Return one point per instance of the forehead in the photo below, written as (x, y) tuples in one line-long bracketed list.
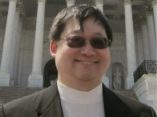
[(90, 26)]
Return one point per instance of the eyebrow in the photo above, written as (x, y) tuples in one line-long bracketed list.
[(99, 34)]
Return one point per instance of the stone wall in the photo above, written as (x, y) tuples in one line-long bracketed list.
[(146, 89)]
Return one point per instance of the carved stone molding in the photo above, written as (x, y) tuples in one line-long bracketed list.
[(127, 1), (148, 66)]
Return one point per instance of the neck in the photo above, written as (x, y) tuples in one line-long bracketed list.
[(73, 95), (82, 85)]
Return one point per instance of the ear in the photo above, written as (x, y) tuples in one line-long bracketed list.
[(53, 48)]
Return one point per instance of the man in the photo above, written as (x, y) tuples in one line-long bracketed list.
[(80, 40)]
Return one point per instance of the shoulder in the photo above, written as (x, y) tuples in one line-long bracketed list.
[(137, 107), (29, 105), (129, 105)]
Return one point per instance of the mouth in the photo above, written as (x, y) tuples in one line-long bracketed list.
[(88, 62)]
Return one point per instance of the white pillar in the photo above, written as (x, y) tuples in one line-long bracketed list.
[(70, 2), (151, 34), (36, 78), (5, 62), (130, 44), (155, 21), (99, 4), (145, 41), (16, 47)]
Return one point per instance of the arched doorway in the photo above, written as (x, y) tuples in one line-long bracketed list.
[(50, 73)]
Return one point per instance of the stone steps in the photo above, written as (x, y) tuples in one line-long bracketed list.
[(10, 93)]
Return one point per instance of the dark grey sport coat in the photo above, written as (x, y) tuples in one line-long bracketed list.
[(46, 103)]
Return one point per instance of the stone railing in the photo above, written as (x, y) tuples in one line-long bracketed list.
[(147, 66)]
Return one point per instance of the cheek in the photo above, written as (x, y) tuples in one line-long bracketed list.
[(106, 57), (65, 54)]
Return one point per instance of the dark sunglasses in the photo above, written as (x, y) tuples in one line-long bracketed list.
[(96, 42)]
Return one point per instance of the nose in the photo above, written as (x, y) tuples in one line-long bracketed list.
[(88, 50)]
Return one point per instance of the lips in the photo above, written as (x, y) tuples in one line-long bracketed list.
[(88, 62)]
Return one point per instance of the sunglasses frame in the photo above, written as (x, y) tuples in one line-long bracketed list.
[(79, 42)]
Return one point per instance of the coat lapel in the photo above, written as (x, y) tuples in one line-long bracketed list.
[(54, 109), (50, 105), (113, 106)]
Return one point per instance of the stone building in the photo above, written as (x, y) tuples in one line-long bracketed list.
[(24, 44)]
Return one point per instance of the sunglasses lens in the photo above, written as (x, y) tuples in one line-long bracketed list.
[(78, 42), (75, 42), (99, 43)]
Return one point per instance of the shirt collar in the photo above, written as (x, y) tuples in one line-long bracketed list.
[(76, 96)]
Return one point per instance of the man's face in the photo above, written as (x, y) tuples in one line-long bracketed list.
[(84, 64)]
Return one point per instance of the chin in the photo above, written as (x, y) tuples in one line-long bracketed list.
[(86, 77)]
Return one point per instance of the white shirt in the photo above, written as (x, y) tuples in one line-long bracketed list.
[(77, 103)]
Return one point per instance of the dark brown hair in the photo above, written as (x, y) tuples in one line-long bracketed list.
[(81, 13)]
